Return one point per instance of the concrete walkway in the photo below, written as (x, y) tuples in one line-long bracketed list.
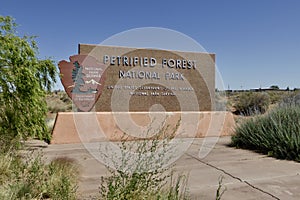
[(247, 175)]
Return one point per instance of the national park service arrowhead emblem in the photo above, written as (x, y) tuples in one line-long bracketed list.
[(83, 80)]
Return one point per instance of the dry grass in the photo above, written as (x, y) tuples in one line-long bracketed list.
[(28, 177)]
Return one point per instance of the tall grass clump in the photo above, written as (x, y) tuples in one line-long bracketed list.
[(29, 178), (276, 133)]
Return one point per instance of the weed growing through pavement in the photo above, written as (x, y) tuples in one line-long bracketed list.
[(139, 172), (221, 189)]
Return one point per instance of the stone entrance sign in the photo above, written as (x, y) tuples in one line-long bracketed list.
[(129, 90), (130, 79)]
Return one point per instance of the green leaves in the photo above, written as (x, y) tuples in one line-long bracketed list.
[(7, 25), (23, 81)]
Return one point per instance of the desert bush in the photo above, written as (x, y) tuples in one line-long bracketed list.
[(250, 103), (56, 108), (292, 99), (276, 96), (146, 185), (276, 133), (144, 177), (58, 102), (65, 98), (29, 178)]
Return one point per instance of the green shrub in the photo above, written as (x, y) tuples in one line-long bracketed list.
[(276, 134), (250, 103)]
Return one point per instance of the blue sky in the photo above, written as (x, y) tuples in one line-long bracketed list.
[(257, 42)]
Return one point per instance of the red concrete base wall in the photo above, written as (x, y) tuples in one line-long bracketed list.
[(73, 127)]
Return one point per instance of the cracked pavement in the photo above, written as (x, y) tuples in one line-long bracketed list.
[(246, 174)]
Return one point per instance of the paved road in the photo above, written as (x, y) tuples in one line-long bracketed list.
[(247, 175)]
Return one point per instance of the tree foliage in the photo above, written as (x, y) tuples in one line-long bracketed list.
[(274, 87), (24, 79)]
